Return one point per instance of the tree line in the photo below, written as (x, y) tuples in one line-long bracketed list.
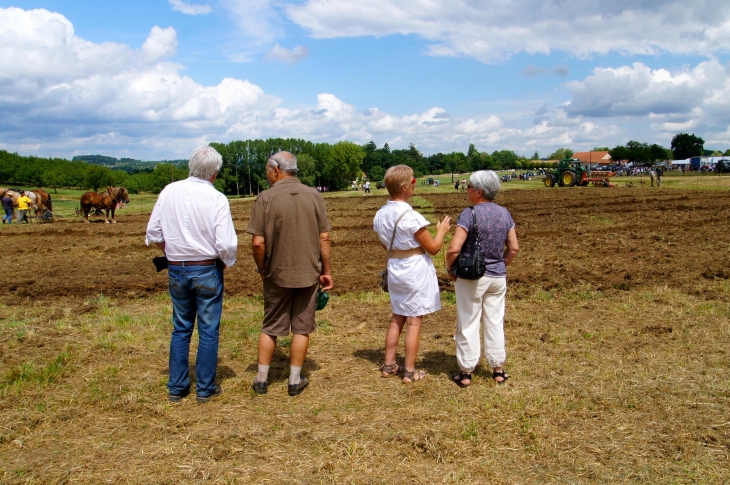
[(333, 166), (30, 171)]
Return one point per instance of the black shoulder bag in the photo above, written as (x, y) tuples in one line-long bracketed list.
[(473, 267)]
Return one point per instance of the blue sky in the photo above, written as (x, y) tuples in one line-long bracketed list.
[(154, 79)]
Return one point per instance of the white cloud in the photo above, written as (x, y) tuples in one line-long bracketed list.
[(63, 95), (672, 101), (259, 20), (493, 31), (189, 9), (161, 43), (282, 54)]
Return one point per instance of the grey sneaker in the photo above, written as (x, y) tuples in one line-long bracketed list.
[(296, 389), (217, 392)]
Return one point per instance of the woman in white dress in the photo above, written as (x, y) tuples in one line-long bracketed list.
[(412, 282)]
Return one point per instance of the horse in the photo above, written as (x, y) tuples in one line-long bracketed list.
[(113, 198), (44, 205)]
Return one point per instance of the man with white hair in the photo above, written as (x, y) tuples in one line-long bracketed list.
[(291, 248), (191, 223)]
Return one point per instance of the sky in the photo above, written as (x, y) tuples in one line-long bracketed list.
[(154, 79)]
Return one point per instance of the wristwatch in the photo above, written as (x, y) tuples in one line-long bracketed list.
[(259, 271)]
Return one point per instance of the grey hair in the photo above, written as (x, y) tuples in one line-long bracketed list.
[(286, 162), (487, 181), (204, 162)]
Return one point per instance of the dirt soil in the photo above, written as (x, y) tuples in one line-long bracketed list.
[(618, 238)]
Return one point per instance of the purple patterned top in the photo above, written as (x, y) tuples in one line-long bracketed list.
[(494, 222)]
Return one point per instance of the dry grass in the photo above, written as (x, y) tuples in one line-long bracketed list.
[(617, 339), (607, 387)]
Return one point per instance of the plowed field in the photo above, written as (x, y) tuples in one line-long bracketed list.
[(619, 238)]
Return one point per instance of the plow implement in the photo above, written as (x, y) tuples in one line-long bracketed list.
[(598, 179)]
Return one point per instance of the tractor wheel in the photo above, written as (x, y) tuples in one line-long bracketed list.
[(549, 182), (568, 178)]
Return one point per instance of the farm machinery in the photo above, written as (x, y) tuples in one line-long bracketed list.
[(570, 172)]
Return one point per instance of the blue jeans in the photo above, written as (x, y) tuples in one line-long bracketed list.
[(195, 290), (8, 216)]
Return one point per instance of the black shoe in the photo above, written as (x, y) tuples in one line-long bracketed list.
[(178, 397), (217, 392), (260, 387), (296, 389)]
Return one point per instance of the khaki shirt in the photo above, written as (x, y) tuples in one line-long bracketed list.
[(290, 216)]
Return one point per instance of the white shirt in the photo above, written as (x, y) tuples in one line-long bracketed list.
[(411, 223), (194, 221), (412, 282)]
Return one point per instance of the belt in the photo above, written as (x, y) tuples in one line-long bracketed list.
[(204, 262), (406, 253)]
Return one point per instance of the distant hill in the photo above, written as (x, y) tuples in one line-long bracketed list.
[(129, 165)]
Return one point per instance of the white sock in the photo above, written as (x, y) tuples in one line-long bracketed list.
[(294, 375), (263, 373)]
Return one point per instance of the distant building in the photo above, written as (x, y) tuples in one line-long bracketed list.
[(599, 158)]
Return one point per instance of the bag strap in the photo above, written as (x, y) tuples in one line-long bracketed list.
[(390, 249), (476, 226)]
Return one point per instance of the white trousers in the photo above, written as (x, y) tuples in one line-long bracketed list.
[(480, 301)]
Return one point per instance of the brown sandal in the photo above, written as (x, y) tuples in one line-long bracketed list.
[(390, 370), (413, 376)]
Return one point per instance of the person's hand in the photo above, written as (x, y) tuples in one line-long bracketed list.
[(325, 281), (444, 226), (452, 276)]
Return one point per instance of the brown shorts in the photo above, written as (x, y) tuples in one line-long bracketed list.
[(289, 309)]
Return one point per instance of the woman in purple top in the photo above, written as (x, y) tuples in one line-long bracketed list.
[(482, 300)]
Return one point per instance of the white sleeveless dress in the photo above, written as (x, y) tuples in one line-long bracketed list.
[(412, 282)]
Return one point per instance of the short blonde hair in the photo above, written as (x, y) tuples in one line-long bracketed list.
[(396, 177)]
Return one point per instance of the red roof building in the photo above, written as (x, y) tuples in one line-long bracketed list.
[(602, 158)]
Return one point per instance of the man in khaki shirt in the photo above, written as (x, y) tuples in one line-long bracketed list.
[(291, 248)]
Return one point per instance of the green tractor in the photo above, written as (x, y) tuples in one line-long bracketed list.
[(568, 173)]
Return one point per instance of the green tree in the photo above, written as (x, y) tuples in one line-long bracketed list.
[(561, 153), (601, 149), (505, 159), (536, 156), (97, 176), (54, 178), (638, 152), (659, 153), (619, 153), (685, 145), (307, 169), (343, 164), (727, 153), (376, 173)]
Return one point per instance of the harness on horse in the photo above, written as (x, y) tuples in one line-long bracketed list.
[(98, 201)]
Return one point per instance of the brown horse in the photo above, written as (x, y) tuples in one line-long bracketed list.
[(43, 199), (113, 198)]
